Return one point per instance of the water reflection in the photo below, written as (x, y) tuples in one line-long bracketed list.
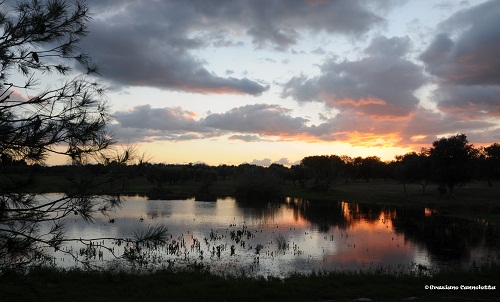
[(231, 236), (448, 240)]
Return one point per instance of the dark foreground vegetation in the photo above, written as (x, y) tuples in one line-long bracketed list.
[(75, 285)]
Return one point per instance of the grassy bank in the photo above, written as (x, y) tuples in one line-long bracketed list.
[(474, 200), (53, 285)]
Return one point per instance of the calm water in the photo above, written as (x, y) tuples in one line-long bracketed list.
[(276, 239)]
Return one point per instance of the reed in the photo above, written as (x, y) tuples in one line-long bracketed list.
[(281, 242)]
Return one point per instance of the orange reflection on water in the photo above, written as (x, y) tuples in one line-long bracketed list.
[(358, 219), (370, 238)]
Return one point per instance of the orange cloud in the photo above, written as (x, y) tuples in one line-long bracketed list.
[(359, 103), (373, 139)]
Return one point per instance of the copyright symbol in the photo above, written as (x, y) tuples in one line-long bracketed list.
[(427, 287)]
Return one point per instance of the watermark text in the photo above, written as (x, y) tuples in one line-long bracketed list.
[(460, 287)]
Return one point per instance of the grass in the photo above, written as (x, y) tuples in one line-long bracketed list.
[(76, 285)]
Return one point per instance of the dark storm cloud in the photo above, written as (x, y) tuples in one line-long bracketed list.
[(151, 43), (380, 84), (465, 60)]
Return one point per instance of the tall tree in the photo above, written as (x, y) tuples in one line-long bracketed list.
[(370, 167), (349, 170), (489, 162), (414, 167), (324, 169), (38, 44), (452, 161)]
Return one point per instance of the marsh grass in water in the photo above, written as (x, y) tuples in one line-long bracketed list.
[(281, 242), (49, 284)]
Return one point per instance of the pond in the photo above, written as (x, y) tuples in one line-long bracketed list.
[(293, 236)]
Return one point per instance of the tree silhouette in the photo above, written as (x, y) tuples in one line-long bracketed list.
[(38, 43), (256, 183), (324, 169), (452, 161), (489, 160), (414, 168)]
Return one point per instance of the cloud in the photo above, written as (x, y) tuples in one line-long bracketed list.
[(265, 122), (246, 138), (319, 51), (250, 123), (262, 162), (153, 43), (135, 57), (266, 162), (171, 119), (379, 85), (427, 126), (469, 102), (465, 62), (143, 123), (259, 118), (246, 123)]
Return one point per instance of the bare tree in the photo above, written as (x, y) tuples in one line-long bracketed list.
[(68, 116)]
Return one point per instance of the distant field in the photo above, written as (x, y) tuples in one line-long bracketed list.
[(474, 200)]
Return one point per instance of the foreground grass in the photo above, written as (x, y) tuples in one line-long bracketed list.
[(75, 285)]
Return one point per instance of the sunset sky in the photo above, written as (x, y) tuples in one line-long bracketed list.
[(263, 81)]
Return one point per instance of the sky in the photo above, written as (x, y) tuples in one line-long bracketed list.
[(264, 81)]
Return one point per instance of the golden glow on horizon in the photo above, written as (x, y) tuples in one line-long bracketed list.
[(373, 140), (222, 151), (418, 138)]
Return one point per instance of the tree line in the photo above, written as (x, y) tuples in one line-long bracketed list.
[(449, 162)]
